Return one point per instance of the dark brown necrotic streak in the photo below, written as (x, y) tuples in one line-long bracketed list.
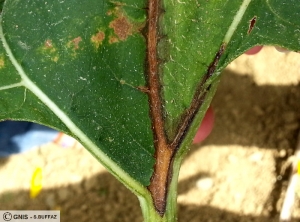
[(163, 154), (197, 101), (251, 24)]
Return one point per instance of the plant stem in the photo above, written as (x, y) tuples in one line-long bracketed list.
[(147, 206), (148, 209), (171, 208), (151, 215)]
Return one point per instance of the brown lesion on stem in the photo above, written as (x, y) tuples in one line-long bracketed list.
[(165, 150), (163, 153)]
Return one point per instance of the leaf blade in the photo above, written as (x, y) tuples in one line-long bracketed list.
[(48, 67)]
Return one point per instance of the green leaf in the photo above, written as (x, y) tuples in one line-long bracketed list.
[(130, 80), (76, 56), (195, 31), (1, 4)]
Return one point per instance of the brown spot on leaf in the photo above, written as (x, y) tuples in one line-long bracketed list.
[(76, 42), (251, 24), (113, 39), (48, 43), (49, 50), (98, 38), (122, 27), (48, 46)]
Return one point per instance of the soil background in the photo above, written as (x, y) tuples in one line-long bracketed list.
[(234, 175)]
